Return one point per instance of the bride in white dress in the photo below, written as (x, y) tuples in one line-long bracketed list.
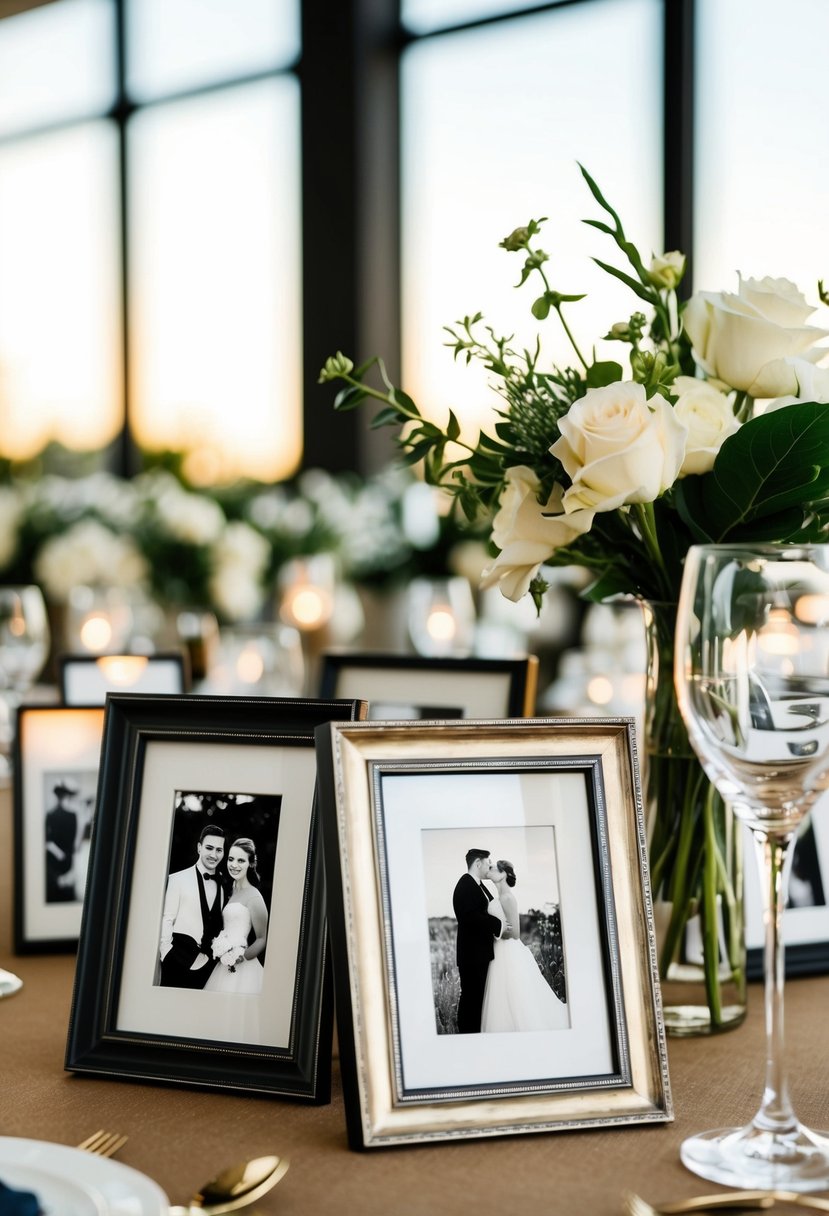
[(239, 968), (517, 997)]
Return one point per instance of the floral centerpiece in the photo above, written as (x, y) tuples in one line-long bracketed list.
[(713, 427)]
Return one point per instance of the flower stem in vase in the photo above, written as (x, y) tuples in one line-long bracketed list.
[(695, 847)]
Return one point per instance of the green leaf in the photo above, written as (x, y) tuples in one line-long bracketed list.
[(388, 416), (541, 308), (405, 402), (599, 197), (774, 463), (453, 427), (416, 451), (487, 444), (642, 292), (601, 374), (612, 582), (601, 225), (349, 398)]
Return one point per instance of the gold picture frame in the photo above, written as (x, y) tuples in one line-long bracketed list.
[(400, 803)]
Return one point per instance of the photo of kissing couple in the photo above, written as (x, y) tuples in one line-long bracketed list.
[(498, 959)]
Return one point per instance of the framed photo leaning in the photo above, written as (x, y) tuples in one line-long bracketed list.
[(202, 957), (57, 752), (806, 918), (491, 925), (408, 686), (85, 679)]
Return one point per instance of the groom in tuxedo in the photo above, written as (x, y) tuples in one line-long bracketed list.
[(477, 930), (192, 915)]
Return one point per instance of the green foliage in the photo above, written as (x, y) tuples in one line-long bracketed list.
[(770, 481)]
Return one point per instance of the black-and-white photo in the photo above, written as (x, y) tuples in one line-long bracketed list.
[(214, 924), (495, 937), (69, 802)]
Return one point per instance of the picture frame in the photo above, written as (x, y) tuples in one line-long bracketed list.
[(806, 918), (401, 802), (56, 759), (409, 686), (85, 679), (236, 1004)]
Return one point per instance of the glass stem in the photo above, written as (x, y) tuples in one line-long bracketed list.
[(775, 854)]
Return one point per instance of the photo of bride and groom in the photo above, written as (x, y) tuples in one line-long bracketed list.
[(497, 967), (214, 923)]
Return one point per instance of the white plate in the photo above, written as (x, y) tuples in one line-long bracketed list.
[(70, 1182)]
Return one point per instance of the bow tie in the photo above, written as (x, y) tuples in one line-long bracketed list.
[(208, 877)]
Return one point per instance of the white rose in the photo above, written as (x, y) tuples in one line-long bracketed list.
[(297, 518), (236, 595), (88, 554), (528, 533), (238, 560), (242, 546), (190, 517), (708, 415), (796, 379), (736, 337), (617, 447)]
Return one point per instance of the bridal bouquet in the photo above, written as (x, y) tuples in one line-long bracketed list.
[(712, 425), (226, 950)]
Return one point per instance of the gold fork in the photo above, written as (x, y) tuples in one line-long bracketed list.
[(103, 1144)]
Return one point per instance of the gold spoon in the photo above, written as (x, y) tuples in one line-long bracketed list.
[(235, 1187), (635, 1205)]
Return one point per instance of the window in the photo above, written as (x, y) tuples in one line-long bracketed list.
[(495, 118), (150, 231), (200, 199)]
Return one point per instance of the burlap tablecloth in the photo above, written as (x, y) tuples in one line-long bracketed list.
[(181, 1137)]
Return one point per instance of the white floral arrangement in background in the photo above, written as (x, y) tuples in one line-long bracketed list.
[(90, 554), (218, 549)]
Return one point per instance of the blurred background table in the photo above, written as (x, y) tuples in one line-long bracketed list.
[(182, 1137)]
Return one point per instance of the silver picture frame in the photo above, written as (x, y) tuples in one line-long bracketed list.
[(400, 804)]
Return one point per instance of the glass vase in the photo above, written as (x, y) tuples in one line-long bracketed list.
[(696, 864)]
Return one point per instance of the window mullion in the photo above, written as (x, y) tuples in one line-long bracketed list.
[(678, 127), (350, 186)]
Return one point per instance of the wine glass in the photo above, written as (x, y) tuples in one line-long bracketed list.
[(24, 646), (441, 615), (752, 680)]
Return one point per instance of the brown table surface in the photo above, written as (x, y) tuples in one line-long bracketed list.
[(182, 1137)]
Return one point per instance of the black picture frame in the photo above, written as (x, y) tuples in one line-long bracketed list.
[(85, 679), (401, 803), (54, 746), (250, 760), (400, 686)]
